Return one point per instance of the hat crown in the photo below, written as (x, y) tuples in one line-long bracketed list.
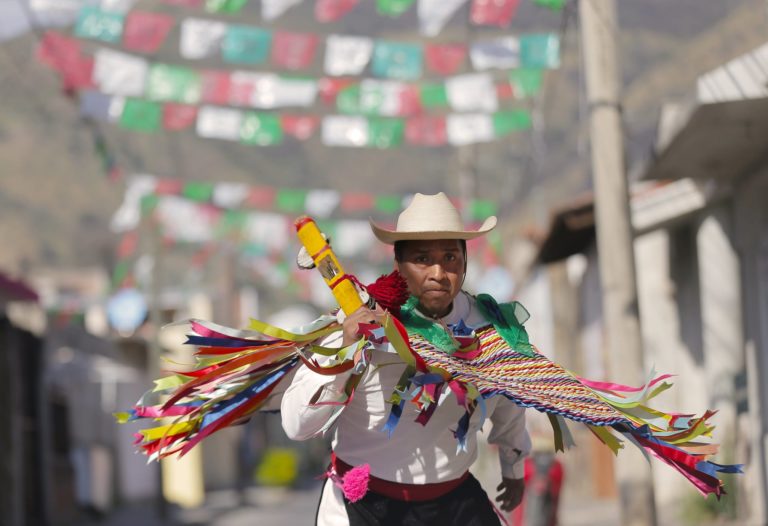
[(430, 212), (430, 217)]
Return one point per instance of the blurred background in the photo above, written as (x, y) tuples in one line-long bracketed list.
[(154, 153)]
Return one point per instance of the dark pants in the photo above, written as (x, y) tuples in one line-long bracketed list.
[(467, 505)]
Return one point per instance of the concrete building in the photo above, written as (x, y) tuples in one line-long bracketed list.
[(701, 248)]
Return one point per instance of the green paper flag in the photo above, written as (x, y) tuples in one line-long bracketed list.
[(230, 221), (148, 204), (198, 191), (393, 7), (505, 122), (291, 201), (551, 4), (94, 23), (397, 60), (170, 83), (224, 6), (540, 50), (120, 273), (348, 100), (261, 129), (246, 45), (526, 81), (141, 115), (479, 209), (389, 204), (433, 95), (385, 133), (328, 228)]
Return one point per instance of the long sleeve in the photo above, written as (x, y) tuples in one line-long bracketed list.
[(511, 436), (302, 421)]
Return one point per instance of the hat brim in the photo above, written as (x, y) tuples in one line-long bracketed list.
[(390, 236)]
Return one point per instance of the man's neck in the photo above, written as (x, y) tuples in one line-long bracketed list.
[(428, 314)]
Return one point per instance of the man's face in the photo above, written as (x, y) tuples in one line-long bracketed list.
[(434, 271)]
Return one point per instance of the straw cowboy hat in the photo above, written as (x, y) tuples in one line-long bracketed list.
[(430, 217)]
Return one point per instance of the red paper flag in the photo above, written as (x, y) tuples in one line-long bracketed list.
[(178, 117), (216, 86), (493, 12), (426, 130), (58, 51), (145, 32), (332, 10), (261, 197), (504, 90), (169, 187), (301, 127), (128, 244), (445, 59), (63, 55), (331, 86), (410, 100), (78, 76), (293, 50), (357, 201)]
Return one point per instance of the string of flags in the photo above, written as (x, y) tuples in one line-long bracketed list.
[(118, 73), (260, 218), (238, 44), (143, 191), (143, 96), (433, 15)]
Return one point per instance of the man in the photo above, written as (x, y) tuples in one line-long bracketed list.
[(421, 477)]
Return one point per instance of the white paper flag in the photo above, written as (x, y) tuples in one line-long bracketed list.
[(271, 9), (346, 55), (342, 130), (321, 203), (353, 238), (117, 6), (267, 229), (229, 195), (127, 217), (117, 73), (201, 38), (219, 123), (469, 128), (184, 220), (381, 97), (499, 53), (434, 14), (116, 106), (471, 92), (50, 13), (295, 92)]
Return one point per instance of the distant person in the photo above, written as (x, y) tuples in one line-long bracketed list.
[(418, 475)]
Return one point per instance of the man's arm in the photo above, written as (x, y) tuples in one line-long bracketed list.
[(510, 435), (302, 420)]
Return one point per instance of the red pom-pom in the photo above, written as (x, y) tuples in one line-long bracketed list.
[(389, 291)]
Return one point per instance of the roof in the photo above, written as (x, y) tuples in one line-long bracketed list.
[(719, 140), (571, 231)]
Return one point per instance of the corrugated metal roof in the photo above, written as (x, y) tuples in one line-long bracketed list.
[(745, 77)]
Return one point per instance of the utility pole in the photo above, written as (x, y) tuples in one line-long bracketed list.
[(599, 31)]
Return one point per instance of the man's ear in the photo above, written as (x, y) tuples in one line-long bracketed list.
[(397, 265)]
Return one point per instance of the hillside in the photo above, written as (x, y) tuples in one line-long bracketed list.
[(55, 200)]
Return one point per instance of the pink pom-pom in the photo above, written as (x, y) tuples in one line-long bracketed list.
[(355, 482)]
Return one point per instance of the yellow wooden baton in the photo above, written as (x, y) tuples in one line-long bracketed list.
[(320, 251)]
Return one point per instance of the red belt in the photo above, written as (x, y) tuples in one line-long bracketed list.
[(400, 491)]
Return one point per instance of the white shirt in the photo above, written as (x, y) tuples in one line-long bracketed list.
[(415, 453)]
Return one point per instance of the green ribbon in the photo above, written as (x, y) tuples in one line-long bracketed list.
[(507, 319)]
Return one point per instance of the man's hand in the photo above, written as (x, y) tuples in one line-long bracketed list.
[(511, 493), (352, 323)]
